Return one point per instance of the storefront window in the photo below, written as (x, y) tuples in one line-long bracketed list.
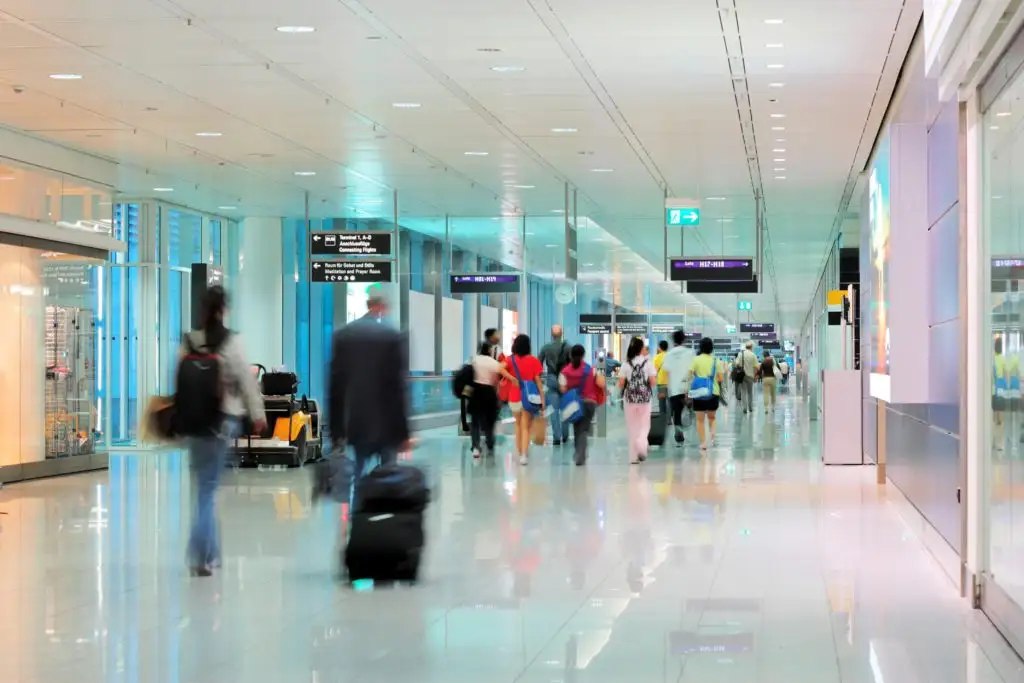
[(49, 361)]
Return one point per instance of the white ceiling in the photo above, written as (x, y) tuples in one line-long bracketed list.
[(648, 84)]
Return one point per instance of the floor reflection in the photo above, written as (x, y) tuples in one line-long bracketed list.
[(752, 563)]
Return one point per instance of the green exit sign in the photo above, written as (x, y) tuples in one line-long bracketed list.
[(744, 306), (682, 217)]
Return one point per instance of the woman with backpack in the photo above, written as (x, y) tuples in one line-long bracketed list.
[(526, 394), (637, 379), (706, 378), (216, 392), (590, 386)]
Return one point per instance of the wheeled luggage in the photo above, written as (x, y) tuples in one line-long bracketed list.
[(659, 420), (386, 537)]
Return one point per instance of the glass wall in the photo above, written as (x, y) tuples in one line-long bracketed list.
[(44, 195), (1004, 449), (147, 304)]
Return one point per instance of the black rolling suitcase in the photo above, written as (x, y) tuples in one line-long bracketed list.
[(659, 422), (386, 538)]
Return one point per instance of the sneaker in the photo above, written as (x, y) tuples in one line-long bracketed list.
[(635, 461), (523, 460), (476, 453)]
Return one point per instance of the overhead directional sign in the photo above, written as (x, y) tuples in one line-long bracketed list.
[(763, 335), (682, 212), (724, 269), (730, 329), (355, 270), (485, 283), (744, 306), (350, 243), (757, 327), (595, 323), (723, 287), (666, 324), (632, 323)]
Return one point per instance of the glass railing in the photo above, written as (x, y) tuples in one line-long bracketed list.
[(432, 394)]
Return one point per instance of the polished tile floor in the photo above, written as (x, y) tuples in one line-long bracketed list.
[(754, 564)]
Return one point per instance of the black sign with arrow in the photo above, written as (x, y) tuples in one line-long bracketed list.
[(355, 270), (350, 243)]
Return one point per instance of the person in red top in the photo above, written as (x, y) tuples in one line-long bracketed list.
[(529, 369), (592, 391)]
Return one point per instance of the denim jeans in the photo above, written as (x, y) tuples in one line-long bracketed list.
[(553, 400), (207, 457)]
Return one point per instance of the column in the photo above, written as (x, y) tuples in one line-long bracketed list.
[(257, 312)]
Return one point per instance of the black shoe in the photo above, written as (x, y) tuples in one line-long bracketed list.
[(556, 442), (202, 570)]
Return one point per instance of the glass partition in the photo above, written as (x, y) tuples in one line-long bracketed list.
[(48, 196)]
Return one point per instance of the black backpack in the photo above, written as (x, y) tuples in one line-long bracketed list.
[(198, 399), (462, 380)]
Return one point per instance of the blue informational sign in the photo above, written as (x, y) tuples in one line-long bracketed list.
[(744, 306)]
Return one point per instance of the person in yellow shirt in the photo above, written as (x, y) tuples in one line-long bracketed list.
[(706, 377), (659, 362)]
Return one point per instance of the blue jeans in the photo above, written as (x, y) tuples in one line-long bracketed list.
[(207, 458), (553, 399)]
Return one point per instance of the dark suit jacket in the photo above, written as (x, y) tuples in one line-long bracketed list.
[(368, 401)]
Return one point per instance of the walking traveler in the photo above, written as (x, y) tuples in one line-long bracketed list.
[(798, 371), (659, 368), (483, 397), (676, 366), (636, 383), (706, 377), (527, 369), (368, 391), (216, 392), (590, 386), (766, 372), (555, 356), (747, 362)]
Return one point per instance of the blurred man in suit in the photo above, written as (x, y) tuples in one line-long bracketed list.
[(368, 397)]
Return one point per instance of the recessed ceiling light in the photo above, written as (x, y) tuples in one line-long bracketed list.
[(524, 187), (296, 29), (557, 210), (779, 169), (774, 46), (997, 196), (777, 84), (1004, 113), (993, 127), (780, 139), (305, 173), (779, 161), (66, 77), (507, 69), (773, 22), (716, 199), (778, 128), (163, 189), (476, 154), (227, 208), (725, 220), (780, 177), (209, 134), (602, 170), (551, 246), (778, 116), (779, 150), (563, 130), (776, 66), (406, 105)]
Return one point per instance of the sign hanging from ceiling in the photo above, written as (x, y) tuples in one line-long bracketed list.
[(355, 270), (632, 324), (763, 335), (757, 327), (365, 243), (485, 283), (595, 323), (666, 324), (715, 287), (744, 306), (725, 269), (683, 213)]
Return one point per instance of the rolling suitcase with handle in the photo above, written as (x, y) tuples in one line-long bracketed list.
[(656, 436)]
